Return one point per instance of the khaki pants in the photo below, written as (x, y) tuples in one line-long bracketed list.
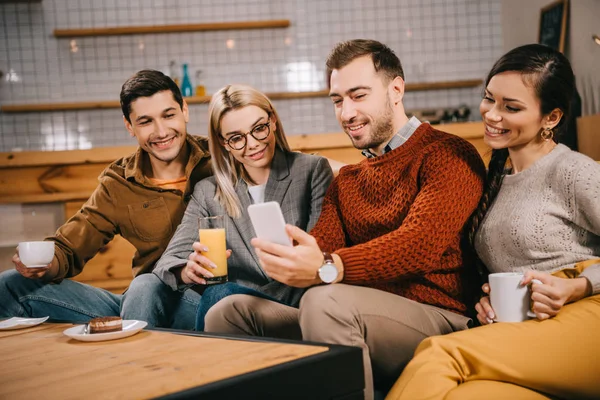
[(558, 357), (387, 327)]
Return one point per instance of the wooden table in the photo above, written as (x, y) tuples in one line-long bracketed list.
[(42, 363)]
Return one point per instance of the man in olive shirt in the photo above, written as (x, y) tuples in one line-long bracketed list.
[(141, 197)]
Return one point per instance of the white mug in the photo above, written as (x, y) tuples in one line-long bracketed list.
[(510, 299), (36, 254)]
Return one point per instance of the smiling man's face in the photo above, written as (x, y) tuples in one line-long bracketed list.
[(159, 125), (362, 103)]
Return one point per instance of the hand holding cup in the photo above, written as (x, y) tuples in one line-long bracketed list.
[(510, 297), (550, 293), (34, 259), (485, 312)]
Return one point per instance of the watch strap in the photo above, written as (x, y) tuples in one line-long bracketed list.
[(327, 258)]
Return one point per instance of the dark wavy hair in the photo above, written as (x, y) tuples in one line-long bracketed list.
[(550, 75)]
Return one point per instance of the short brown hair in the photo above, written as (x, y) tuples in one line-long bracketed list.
[(384, 58), (147, 83)]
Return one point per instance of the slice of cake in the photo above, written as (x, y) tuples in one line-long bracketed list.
[(105, 324)]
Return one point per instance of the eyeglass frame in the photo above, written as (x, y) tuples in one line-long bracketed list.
[(250, 132)]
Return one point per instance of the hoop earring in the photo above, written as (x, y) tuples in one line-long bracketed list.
[(547, 134)]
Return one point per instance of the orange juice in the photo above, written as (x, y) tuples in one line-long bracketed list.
[(214, 239)]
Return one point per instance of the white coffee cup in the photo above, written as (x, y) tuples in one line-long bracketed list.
[(36, 254), (510, 299)]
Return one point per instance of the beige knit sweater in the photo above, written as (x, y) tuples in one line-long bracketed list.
[(545, 218)]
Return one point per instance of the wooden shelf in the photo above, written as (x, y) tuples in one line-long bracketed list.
[(70, 106), (95, 105), (139, 30), (45, 197), (42, 158), (468, 83)]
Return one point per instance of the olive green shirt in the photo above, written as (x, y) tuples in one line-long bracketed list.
[(127, 203)]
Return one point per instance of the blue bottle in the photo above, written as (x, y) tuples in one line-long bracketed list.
[(186, 85)]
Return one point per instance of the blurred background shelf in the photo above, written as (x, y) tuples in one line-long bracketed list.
[(91, 105), (176, 28)]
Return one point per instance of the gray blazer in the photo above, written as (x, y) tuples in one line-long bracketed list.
[(297, 181)]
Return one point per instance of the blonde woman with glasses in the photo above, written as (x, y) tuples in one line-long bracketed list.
[(252, 163)]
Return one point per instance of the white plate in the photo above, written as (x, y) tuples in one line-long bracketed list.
[(130, 327), (20, 323)]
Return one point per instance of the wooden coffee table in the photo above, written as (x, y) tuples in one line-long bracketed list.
[(42, 363)]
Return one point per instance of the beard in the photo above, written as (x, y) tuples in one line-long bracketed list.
[(382, 129)]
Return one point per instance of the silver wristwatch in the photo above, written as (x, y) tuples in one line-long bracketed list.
[(328, 272)]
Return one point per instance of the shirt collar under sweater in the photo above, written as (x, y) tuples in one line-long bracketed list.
[(398, 139)]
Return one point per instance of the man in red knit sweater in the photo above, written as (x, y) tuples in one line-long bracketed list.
[(384, 261)]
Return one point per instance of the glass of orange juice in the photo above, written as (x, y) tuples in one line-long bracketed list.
[(212, 235)]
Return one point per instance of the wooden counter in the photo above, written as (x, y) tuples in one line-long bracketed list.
[(63, 176)]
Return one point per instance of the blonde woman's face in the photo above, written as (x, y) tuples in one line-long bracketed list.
[(245, 125)]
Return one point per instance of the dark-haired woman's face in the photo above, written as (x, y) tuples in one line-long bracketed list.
[(511, 113)]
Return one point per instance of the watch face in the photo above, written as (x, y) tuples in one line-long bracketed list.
[(328, 273)]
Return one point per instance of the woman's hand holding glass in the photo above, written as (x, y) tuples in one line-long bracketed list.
[(198, 266)]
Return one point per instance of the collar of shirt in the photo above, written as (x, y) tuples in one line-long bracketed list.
[(134, 169), (398, 139)]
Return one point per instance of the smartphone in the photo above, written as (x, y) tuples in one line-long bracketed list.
[(268, 222)]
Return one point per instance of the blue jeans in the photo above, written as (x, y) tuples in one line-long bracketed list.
[(66, 301), (149, 299), (214, 293)]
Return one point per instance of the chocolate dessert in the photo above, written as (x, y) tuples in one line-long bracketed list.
[(105, 324)]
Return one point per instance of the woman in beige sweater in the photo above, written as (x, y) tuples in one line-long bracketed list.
[(540, 216)]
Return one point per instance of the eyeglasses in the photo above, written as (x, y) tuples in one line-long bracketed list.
[(239, 140)]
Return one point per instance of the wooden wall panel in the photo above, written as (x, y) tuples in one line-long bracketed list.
[(41, 184)]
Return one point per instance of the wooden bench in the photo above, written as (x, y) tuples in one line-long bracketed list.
[(69, 177)]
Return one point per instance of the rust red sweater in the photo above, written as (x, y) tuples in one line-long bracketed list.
[(396, 220)]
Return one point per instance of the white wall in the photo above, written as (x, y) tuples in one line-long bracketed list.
[(520, 24), (437, 40), (584, 53)]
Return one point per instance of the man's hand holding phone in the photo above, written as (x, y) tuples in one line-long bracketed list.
[(294, 265)]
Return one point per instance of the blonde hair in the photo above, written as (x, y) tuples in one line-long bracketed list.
[(226, 169)]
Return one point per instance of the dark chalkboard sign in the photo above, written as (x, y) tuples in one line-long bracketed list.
[(553, 25)]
